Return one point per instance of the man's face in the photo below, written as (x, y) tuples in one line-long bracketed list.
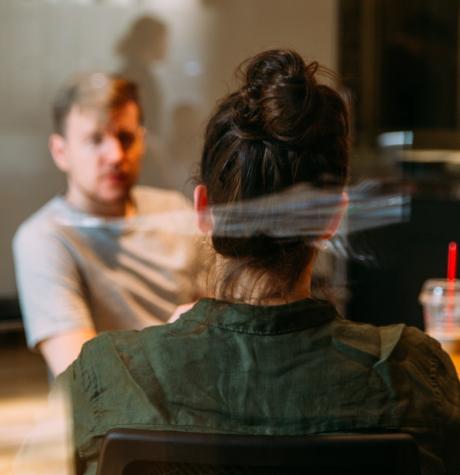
[(101, 158)]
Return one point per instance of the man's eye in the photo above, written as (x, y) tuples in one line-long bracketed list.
[(126, 139), (97, 138)]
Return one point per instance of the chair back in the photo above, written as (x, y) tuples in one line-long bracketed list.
[(146, 452)]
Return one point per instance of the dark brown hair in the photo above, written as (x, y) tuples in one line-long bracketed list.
[(98, 91), (281, 128)]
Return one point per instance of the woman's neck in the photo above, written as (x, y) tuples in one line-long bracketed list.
[(253, 289)]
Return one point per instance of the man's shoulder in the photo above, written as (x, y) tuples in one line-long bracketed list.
[(150, 200), (42, 222)]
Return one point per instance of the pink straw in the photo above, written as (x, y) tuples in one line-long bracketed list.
[(452, 261)]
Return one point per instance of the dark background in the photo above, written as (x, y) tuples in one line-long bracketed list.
[(399, 60)]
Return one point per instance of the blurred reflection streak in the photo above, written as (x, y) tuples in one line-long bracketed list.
[(301, 211)]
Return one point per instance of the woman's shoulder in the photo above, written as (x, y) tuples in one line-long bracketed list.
[(397, 342), (378, 343), (122, 345), (426, 353)]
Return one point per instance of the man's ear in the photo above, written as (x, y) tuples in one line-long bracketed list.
[(336, 219), (200, 199), (57, 147)]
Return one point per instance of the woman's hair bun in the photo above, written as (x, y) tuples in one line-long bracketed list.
[(278, 95), (281, 128)]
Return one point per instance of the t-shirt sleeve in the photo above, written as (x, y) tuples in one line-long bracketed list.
[(51, 288)]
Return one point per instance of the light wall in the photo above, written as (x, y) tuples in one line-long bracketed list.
[(43, 42)]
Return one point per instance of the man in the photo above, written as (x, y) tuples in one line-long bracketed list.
[(83, 261)]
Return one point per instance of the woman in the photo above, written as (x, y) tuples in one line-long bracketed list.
[(264, 357)]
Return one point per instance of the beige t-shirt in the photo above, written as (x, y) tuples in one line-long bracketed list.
[(76, 271)]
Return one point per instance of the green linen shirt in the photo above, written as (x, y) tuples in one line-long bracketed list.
[(291, 369)]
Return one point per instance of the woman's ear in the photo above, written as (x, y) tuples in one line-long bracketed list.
[(336, 219), (200, 199)]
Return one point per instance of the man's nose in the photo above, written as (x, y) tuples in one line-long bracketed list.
[(113, 149)]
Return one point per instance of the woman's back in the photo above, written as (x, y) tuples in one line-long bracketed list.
[(291, 369), (265, 358)]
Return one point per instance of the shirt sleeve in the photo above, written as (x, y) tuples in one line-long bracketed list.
[(50, 285)]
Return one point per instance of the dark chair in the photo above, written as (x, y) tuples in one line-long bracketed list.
[(145, 452)]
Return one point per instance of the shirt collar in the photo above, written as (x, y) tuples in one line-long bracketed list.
[(276, 319)]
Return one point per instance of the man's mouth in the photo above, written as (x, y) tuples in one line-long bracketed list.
[(115, 177)]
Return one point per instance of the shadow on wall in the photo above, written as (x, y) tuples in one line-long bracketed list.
[(172, 142), (142, 47)]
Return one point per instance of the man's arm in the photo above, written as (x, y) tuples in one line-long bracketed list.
[(62, 350), (54, 303)]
